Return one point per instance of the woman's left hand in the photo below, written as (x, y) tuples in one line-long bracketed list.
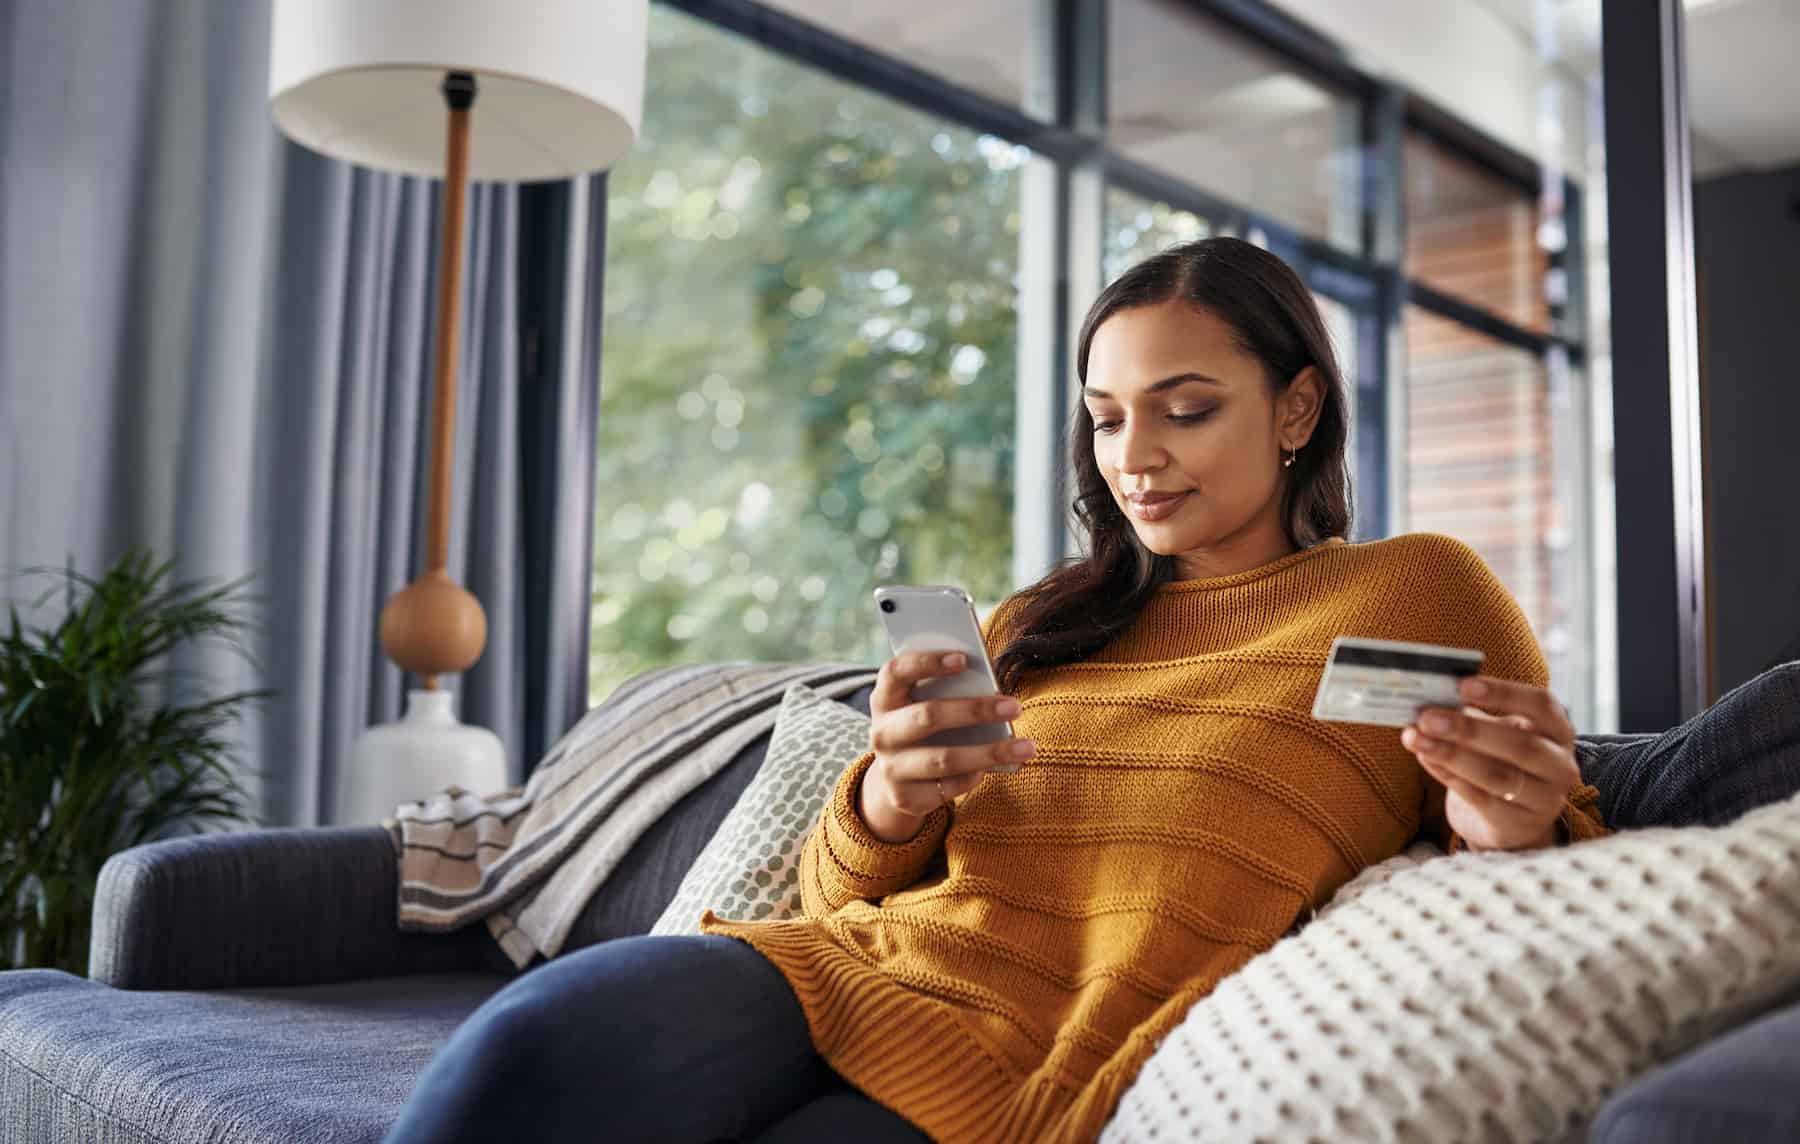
[(1508, 769)]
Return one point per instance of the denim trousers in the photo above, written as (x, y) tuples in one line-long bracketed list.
[(687, 1039)]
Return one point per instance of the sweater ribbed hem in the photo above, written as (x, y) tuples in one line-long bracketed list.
[(924, 1063)]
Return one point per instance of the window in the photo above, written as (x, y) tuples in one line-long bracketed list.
[(1474, 235), (808, 363), (1498, 420), (838, 291), (1482, 465), (1195, 101)]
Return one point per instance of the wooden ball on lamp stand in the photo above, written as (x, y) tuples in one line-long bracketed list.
[(433, 627)]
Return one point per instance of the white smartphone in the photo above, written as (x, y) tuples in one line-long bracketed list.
[(941, 618)]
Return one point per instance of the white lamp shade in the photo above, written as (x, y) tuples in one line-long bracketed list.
[(560, 82)]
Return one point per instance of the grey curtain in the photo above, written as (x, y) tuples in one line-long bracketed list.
[(218, 344)]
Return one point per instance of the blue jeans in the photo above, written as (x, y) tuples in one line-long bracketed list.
[(685, 1039)]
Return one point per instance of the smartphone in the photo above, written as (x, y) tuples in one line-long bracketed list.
[(941, 618)]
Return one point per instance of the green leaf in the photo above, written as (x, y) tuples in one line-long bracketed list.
[(18, 711)]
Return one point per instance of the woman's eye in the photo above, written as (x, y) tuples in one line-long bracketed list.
[(1179, 418)]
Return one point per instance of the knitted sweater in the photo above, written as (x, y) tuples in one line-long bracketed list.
[(1004, 974)]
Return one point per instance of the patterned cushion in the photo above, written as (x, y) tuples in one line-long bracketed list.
[(750, 870), (1486, 996)]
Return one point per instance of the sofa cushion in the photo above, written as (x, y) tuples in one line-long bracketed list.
[(83, 1062), (750, 870), (1486, 996), (644, 882)]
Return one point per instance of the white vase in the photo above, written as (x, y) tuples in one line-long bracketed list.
[(426, 751)]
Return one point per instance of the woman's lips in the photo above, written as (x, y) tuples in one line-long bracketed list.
[(1158, 507)]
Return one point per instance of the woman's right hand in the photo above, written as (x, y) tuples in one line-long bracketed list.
[(910, 779)]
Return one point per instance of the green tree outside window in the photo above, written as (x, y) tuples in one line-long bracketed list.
[(809, 367)]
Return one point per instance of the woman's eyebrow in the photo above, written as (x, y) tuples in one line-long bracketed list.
[(1156, 387)]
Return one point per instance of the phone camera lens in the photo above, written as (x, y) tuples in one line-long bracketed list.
[(887, 605)]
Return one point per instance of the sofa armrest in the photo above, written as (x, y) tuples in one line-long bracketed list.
[(300, 906), (1741, 753)]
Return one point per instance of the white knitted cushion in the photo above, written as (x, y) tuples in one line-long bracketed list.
[(1485, 996), (750, 869)]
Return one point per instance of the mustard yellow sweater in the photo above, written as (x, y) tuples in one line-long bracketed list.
[(1004, 975)]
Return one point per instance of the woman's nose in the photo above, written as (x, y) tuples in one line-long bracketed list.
[(1139, 451)]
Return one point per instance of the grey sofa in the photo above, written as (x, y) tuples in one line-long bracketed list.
[(252, 987)]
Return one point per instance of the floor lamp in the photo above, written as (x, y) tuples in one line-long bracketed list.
[(521, 91)]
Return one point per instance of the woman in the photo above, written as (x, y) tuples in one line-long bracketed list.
[(994, 957)]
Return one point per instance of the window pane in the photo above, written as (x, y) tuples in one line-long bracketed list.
[(1136, 228), (808, 362), (1473, 234), (1340, 324), (1199, 102), (987, 47), (1482, 465)]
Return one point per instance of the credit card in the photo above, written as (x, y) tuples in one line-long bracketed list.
[(1387, 682)]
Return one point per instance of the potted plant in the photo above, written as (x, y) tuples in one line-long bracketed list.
[(104, 745)]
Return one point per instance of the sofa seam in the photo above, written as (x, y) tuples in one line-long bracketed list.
[(82, 1100)]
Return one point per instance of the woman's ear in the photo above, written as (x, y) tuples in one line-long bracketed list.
[(1300, 405)]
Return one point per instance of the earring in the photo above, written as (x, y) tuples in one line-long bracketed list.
[(1289, 463)]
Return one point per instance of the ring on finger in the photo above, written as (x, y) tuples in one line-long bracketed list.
[(943, 798), (1513, 794)]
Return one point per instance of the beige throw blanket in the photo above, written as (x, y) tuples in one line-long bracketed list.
[(526, 860)]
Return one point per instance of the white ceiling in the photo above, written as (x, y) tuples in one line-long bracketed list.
[(1743, 85)]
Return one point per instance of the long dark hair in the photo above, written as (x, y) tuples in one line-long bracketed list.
[(1079, 607)]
